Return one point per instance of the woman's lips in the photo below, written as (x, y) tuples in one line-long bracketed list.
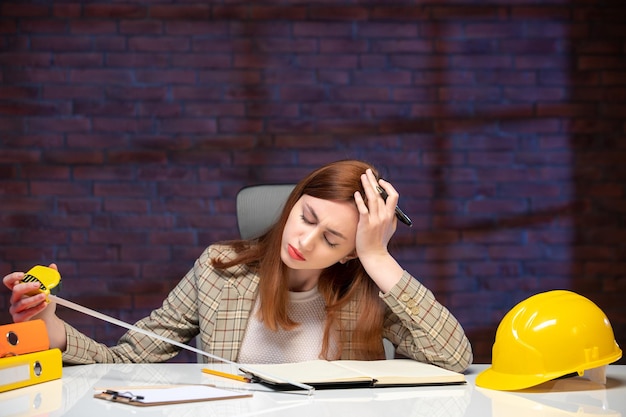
[(293, 252)]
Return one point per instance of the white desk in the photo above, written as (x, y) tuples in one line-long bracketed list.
[(73, 396)]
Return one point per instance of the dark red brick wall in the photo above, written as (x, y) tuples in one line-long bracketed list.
[(126, 130)]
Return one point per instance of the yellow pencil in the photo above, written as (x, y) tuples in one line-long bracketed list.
[(225, 375)]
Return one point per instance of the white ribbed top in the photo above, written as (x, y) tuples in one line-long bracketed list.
[(262, 345)]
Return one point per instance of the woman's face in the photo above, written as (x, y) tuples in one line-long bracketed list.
[(319, 233)]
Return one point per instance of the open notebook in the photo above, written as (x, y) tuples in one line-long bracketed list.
[(351, 374)]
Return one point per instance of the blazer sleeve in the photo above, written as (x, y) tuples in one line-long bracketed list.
[(423, 329), (177, 319)]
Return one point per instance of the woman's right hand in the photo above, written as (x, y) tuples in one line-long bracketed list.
[(25, 307)]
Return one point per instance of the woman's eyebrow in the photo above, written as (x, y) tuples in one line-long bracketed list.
[(332, 231)]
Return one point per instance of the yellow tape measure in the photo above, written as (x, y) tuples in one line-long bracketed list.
[(49, 279)]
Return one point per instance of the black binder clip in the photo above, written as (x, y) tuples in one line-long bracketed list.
[(126, 395)]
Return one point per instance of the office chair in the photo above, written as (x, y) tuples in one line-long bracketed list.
[(258, 207)]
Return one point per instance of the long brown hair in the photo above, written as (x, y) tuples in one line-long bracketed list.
[(339, 284)]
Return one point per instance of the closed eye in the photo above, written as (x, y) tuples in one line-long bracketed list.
[(308, 222), (304, 219)]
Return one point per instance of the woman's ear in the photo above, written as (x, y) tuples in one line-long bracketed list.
[(347, 258)]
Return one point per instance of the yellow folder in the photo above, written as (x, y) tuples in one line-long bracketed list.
[(30, 369)]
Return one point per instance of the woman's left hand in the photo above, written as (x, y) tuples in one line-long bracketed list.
[(377, 219), (377, 223)]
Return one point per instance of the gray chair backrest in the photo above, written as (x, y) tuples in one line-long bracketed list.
[(259, 206)]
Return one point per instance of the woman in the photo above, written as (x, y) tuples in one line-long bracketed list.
[(319, 284)]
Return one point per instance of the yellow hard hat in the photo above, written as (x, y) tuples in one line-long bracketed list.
[(547, 336)]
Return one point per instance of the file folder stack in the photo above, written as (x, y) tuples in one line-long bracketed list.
[(25, 355)]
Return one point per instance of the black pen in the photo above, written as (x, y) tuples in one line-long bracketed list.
[(399, 213)]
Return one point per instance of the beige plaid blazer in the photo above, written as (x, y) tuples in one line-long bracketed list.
[(217, 305)]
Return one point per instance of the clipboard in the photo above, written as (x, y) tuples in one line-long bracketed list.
[(168, 394)]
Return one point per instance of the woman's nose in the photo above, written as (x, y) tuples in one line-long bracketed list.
[(307, 239)]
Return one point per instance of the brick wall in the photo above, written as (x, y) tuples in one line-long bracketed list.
[(126, 130)]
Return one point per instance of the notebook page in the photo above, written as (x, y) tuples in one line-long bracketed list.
[(402, 371), (316, 371)]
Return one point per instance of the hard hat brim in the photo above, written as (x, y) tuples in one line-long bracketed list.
[(489, 378), (506, 382)]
